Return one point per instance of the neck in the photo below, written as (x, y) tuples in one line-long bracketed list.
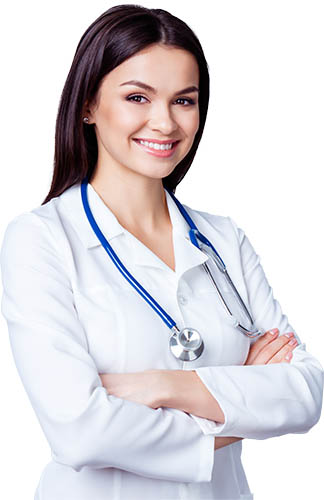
[(139, 203)]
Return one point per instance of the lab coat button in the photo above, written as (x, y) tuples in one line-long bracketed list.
[(183, 300)]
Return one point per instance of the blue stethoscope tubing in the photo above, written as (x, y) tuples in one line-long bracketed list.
[(186, 344)]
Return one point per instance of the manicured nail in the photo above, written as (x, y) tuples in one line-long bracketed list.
[(288, 356), (273, 331), (290, 334), (292, 342)]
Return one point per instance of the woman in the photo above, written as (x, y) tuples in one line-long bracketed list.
[(125, 416)]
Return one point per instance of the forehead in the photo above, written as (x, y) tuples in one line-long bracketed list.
[(159, 66)]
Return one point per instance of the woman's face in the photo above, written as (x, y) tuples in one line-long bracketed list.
[(125, 112)]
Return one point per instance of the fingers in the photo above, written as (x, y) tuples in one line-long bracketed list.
[(284, 355), (277, 350), (261, 342)]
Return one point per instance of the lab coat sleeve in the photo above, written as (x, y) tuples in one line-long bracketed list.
[(83, 424), (262, 401)]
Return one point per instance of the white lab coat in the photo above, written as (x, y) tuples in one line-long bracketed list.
[(71, 315)]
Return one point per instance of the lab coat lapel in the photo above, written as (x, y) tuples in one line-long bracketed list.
[(131, 249), (105, 218), (186, 254)]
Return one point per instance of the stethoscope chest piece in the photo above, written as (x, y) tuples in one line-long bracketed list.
[(186, 344)]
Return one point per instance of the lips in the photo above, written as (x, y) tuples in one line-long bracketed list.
[(168, 141), (162, 153)]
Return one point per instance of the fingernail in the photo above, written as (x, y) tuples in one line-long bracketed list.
[(288, 356), (273, 331), (292, 342), (290, 334)]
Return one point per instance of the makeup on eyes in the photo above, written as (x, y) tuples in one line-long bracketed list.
[(190, 101)]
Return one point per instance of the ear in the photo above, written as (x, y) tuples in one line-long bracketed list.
[(87, 111)]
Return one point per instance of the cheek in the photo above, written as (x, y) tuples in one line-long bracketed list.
[(190, 122), (191, 127), (118, 120), (129, 122), (195, 122)]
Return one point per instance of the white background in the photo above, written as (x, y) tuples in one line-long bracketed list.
[(263, 147)]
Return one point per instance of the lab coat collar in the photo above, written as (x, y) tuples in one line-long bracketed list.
[(105, 218), (187, 255)]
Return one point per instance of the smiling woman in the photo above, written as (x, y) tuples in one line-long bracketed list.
[(163, 125), (141, 48), (127, 416)]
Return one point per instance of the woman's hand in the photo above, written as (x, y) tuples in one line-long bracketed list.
[(269, 348), (144, 387)]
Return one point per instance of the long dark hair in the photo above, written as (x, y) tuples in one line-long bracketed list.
[(116, 35)]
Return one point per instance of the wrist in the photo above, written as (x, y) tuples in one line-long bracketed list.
[(188, 393), (163, 382), (178, 386)]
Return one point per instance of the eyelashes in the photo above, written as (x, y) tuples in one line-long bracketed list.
[(190, 101)]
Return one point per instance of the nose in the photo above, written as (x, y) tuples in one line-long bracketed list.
[(162, 120)]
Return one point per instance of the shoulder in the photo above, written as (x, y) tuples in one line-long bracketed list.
[(49, 218), (26, 226), (223, 224), (26, 240), (30, 233)]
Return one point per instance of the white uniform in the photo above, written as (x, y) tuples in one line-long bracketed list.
[(72, 315)]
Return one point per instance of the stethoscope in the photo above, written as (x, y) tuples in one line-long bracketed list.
[(185, 344)]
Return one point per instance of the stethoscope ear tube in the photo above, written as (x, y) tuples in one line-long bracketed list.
[(209, 250), (120, 266), (195, 235)]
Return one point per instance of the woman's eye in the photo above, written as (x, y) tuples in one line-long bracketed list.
[(133, 98), (190, 101), (130, 97)]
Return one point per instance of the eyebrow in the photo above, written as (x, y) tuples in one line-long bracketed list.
[(147, 87)]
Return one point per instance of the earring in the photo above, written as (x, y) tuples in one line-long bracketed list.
[(86, 119)]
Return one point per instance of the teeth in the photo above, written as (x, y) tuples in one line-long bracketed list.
[(155, 145)]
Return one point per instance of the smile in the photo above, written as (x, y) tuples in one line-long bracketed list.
[(157, 149)]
